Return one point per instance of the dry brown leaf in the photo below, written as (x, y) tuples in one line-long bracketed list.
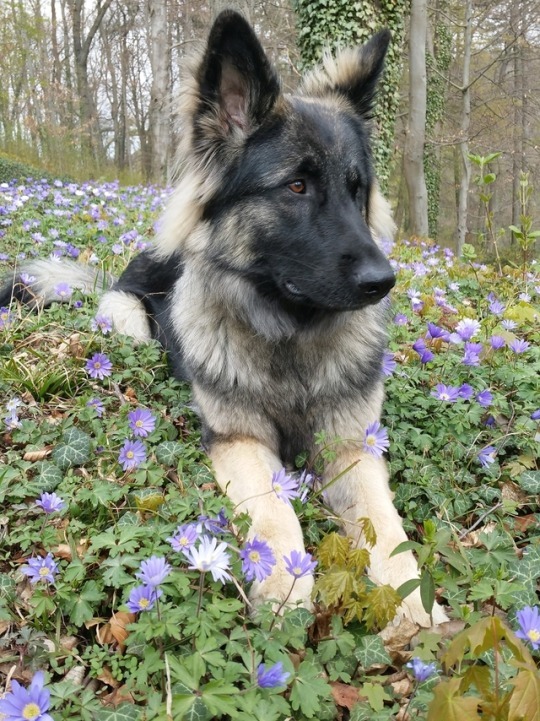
[(106, 677), (118, 625), (63, 551), (4, 626), (76, 675), (403, 687), (512, 492), (397, 639), (118, 696), (103, 634), (33, 456), (523, 523), (345, 695)]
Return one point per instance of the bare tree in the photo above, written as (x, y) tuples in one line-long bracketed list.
[(465, 128), (416, 128), (159, 94)]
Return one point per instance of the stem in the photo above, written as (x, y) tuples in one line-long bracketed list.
[(200, 595), (281, 605)]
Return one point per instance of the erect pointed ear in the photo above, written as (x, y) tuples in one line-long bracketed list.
[(353, 73), (236, 79)]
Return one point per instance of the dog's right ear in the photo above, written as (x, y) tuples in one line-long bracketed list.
[(237, 84)]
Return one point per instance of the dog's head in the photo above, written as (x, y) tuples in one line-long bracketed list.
[(278, 189)]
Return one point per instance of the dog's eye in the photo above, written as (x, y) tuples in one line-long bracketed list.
[(298, 186)]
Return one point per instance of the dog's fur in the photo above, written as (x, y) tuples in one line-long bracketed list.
[(267, 287)]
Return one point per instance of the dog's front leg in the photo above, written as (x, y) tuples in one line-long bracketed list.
[(363, 491), (244, 469)]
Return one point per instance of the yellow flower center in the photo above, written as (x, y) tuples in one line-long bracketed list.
[(97, 364), (370, 440), (277, 487), (139, 424), (44, 571), (184, 541), (143, 603), (297, 571), (129, 454), (534, 635), (31, 711), (4, 316), (255, 556)]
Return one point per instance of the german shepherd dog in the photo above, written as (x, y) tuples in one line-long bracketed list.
[(267, 286)]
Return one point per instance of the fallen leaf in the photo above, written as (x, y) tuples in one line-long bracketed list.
[(33, 456), (118, 696), (106, 677), (345, 695)]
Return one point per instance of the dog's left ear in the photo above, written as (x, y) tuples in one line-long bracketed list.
[(353, 73), (235, 77)]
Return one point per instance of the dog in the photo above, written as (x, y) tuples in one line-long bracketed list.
[(267, 285)]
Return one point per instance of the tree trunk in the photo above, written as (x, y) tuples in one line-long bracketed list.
[(463, 205), (158, 115), (416, 129)]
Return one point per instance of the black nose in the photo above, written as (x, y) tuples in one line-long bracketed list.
[(373, 283)]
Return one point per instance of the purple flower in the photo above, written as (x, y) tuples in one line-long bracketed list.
[(210, 556), (467, 328), (421, 671), (273, 677), (284, 486), (99, 366), (41, 569), (13, 404), (143, 598), (535, 415), (388, 363), (141, 422), (487, 456), (484, 398), (27, 704), (466, 391), (97, 405), (495, 305), (299, 564), (509, 324), (132, 454), (472, 354), (6, 317), (50, 502), (518, 345), (434, 331), (153, 571), (376, 439), (529, 625), (401, 319), (12, 421), (445, 393), (425, 354), (28, 279), (213, 524), (184, 537), (102, 323), (257, 560), (63, 290), (497, 342)]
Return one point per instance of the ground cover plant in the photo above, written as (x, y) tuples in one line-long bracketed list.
[(124, 572)]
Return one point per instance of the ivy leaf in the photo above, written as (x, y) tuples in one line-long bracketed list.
[(7, 586), (74, 451), (148, 499), (525, 698), (527, 572), (48, 478), (168, 452), (370, 651), (448, 704), (530, 482), (124, 712)]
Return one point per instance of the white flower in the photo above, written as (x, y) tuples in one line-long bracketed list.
[(210, 556)]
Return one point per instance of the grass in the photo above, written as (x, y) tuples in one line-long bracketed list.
[(473, 520)]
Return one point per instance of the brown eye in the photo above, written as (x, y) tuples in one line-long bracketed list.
[(298, 186)]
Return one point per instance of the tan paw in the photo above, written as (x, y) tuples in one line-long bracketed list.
[(284, 590)]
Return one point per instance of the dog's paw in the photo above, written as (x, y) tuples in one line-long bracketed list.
[(284, 592)]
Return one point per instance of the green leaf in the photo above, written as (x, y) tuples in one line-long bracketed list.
[(449, 705), (7, 586), (371, 651), (308, 689), (530, 482), (408, 587), (124, 712), (405, 546), (382, 603), (525, 698), (527, 572), (169, 452), (333, 550), (427, 591), (148, 499), (48, 478), (375, 694), (74, 451)]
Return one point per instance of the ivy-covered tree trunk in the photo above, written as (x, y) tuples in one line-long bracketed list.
[(341, 23)]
